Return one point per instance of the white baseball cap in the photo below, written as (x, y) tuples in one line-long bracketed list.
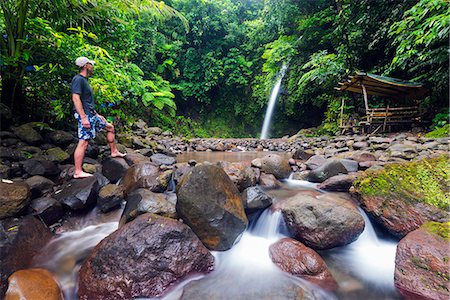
[(81, 61)]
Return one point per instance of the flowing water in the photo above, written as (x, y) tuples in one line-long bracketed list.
[(271, 105), (363, 269)]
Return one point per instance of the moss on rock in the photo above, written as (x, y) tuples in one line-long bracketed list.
[(426, 181), (437, 228)]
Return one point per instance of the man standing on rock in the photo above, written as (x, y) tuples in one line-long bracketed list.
[(89, 121)]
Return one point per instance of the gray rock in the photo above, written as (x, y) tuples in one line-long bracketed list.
[(350, 165), (27, 134), (110, 196), (79, 193), (254, 198), (57, 155), (161, 159), (40, 167), (47, 209), (114, 168), (321, 221), (331, 168), (61, 138), (39, 185), (338, 183), (315, 161), (142, 201)]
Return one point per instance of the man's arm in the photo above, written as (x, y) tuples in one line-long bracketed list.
[(79, 108)]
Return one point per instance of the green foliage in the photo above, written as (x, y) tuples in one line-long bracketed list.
[(440, 229), (422, 181), (421, 39), (439, 132), (441, 119)]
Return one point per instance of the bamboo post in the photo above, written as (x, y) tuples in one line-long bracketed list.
[(366, 101), (341, 123), (385, 118)]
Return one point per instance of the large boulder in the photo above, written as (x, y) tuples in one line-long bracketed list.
[(142, 201), (114, 168), (241, 173), (79, 193), (135, 172), (422, 263), (56, 155), (143, 259), (27, 134), (40, 167), (20, 240), (296, 259), (36, 284), (209, 202), (401, 197), (321, 221), (276, 165), (330, 168), (13, 198)]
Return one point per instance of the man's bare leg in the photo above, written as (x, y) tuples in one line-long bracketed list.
[(110, 137), (78, 159)]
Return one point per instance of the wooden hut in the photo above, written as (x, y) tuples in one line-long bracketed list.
[(401, 107)]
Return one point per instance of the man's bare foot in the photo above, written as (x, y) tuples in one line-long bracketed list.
[(118, 154), (81, 175)]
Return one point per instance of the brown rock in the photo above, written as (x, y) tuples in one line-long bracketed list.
[(295, 258), (269, 181), (13, 197), (276, 165), (142, 259), (241, 173), (422, 264), (137, 171), (210, 203), (399, 216), (20, 240), (35, 284)]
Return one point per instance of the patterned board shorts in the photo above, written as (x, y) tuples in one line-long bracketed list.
[(89, 133)]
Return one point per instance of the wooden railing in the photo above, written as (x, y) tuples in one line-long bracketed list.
[(386, 117)]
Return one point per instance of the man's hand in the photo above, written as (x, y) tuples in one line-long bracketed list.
[(102, 118), (85, 122)]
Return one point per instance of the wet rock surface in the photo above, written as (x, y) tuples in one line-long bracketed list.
[(422, 264), (209, 202), (142, 259), (295, 258), (20, 240), (36, 284), (321, 221)]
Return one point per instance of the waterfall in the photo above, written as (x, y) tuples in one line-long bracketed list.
[(271, 105)]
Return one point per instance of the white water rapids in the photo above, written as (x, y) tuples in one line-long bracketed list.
[(363, 269)]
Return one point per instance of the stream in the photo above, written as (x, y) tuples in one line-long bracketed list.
[(363, 269)]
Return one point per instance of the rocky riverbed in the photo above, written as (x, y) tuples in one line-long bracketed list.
[(213, 200)]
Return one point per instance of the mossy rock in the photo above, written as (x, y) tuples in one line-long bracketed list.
[(425, 181), (439, 229)]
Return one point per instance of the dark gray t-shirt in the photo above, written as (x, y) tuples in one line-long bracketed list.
[(80, 86)]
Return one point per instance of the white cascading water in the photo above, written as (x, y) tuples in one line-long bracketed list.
[(369, 258), (272, 101)]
